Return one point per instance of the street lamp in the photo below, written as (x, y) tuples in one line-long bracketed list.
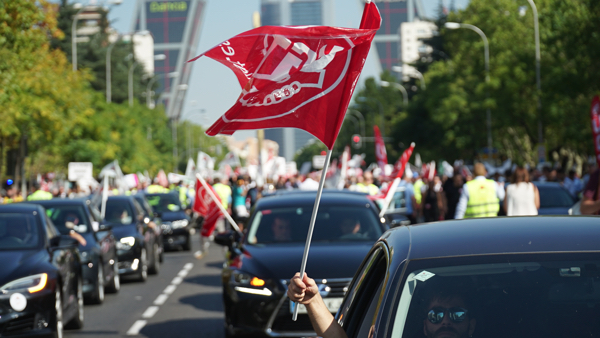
[(399, 87), (109, 70), (131, 68), (541, 152), (364, 99), (456, 25), (360, 117), (398, 69), (74, 38), (149, 87)]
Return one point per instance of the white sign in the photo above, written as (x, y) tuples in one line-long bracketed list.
[(79, 170), (318, 161)]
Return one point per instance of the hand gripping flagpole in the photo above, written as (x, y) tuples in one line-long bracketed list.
[(212, 195), (313, 218)]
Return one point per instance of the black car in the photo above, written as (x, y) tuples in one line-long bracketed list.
[(554, 199), (138, 246), (99, 260), (154, 222), (492, 278), (270, 251), (41, 288), (177, 228)]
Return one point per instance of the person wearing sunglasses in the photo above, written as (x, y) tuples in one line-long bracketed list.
[(448, 315)]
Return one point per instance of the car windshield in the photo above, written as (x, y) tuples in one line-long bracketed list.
[(164, 202), (555, 198), (333, 224), (67, 218), (18, 231), (517, 299), (144, 203), (118, 212)]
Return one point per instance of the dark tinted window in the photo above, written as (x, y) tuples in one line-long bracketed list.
[(164, 202), (119, 212), (68, 217), (554, 197), (18, 231), (333, 224)]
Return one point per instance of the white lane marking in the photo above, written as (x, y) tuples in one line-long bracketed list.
[(188, 266), (177, 281), (150, 312), (160, 300), (169, 289), (182, 273), (136, 327)]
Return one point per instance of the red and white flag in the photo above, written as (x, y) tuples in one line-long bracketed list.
[(206, 206), (295, 76), (380, 151), (401, 165), (595, 115)]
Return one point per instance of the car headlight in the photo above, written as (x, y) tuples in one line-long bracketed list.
[(179, 224), (126, 243), (32, 284), (247, 283)]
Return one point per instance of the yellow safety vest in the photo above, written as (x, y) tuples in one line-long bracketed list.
[(483, 200), (417, 189), (224, 191), (156, 189), (39, 195)]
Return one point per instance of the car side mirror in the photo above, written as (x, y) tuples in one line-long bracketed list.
[(228, 238), (63, 241), (105, 227)]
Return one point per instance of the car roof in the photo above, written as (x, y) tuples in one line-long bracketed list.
[(548, 184), (297, 197), (20, 208), (499, 235), (60, 201)]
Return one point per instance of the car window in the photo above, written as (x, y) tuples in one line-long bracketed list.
[(555, 198), (118, 212), (516, 299), (399, 200), (68, 217), (333, 224), (18, 231), (144, 203), (164, 202)]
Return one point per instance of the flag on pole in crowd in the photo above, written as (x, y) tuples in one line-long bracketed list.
[(205, 164), (231, 159), (595, 115), (401, 164), (190, 169), (294, 76), (380, 151), (344, 170), (162, 178), (206, 206)]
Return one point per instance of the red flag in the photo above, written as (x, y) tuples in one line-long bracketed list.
[(380, 151), (402, 161), (595, 112), (295, 76), (206, 206)]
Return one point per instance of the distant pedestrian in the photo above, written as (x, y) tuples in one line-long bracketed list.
[(480, 197), (452, 189), (522, 196), (590, 204)]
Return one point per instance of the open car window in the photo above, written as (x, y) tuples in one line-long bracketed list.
[(333, 224), (68, 217), (520, 299)]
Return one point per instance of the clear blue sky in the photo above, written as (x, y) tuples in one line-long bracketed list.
[(213, 87)]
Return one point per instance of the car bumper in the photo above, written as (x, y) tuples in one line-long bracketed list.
[(34, 320), (175, 237), (129, 260)]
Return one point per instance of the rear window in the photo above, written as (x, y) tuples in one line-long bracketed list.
[(333, 224), (18, 231), (555, 198), (164, 202), (118, 212)]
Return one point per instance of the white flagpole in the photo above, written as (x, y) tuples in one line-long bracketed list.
[(212, 195), (389, 196), (313, 218), (104, 197)]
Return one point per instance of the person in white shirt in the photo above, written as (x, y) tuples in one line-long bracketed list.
[(522, 197)]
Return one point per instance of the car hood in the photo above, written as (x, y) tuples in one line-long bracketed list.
[(124, 230), (22, 263), (173, 216), (325, 260)]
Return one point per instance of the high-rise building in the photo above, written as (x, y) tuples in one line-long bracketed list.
[(387, 39), (297, 13), (175, 26), (413, 48)]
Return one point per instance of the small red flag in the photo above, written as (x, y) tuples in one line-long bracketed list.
[(402, 161), (380, 151), (295, 76), (595, 115), (206, 206)]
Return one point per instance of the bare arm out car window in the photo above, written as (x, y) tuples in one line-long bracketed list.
[(521, 299), (334, 224)]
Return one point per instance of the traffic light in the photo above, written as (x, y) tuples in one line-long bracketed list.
[(356, 141)]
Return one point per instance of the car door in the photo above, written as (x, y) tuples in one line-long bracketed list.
[(65, 259), (149, 234), (106, 241), (365, 298)]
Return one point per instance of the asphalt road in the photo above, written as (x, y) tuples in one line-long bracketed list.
[(183, 300)]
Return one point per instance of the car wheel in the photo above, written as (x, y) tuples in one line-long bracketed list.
[(155, 267), (77, 322), (115, 282), (142, 274), (98, 295), (188, 243), (58, 314)]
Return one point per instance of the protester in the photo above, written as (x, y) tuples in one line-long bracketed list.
[(573, 183), (452, 190), (522, 196), (480, 197), (590, 204), (38, 194)]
